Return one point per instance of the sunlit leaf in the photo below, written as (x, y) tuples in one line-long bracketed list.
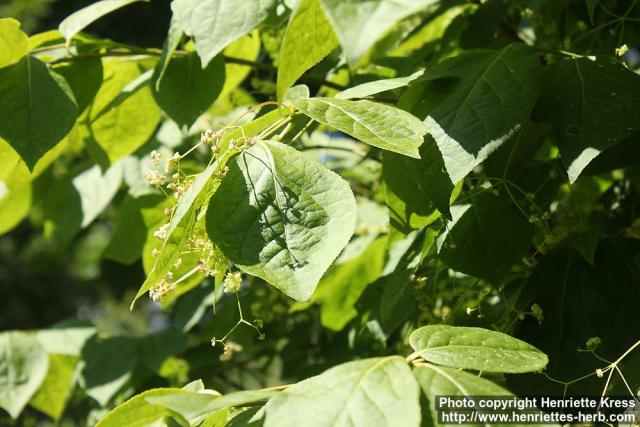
[(23, 367), (217, 23), (282, 217), (307, 40), (476, 348), (378, 391), (377, 124)]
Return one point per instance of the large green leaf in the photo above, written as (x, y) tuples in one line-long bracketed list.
[(478, 101), (138, 412), (79, 20), (217, 23), (194, 405), (37, 108), (13, 42), (282, 217), (376, 124), (593, 106), (371, 392), (476, 348), (186, 91), (359, 23), (53, 394), (23, 367), (123, 115), (307, 40), (486, 237), (15, 188)]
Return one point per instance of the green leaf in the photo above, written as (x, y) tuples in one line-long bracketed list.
[(247, 48), (79, 20), (66, 338), (217, 23), (108, 366), (123, 115), (15, 188), (592, 105), (437, 381), (154, 349), (410, 185), (187, 91), (23, 367), (376, 124), (398, 301), (174, 37), (486, 238), (343, 284), (371, 88), (217, 419), (371, 392), (190, 308), (138, 412), (442, 381), (53, 394), (84, 78), (37, 108), (194, 405), (479, 100), (360, 23), (476, 348), (13, 42), (130, 234), (281, 216), (76, 201), (307, 40)]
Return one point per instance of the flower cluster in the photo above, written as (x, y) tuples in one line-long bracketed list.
[(232, 282), (229, 349), (162, 289)]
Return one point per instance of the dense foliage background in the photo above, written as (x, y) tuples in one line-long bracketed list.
[(491, 148)]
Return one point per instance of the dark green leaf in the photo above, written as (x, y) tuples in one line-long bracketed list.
[(37, 108), (486, 237), (478, 101), (593, 106), (187, 91), (108, 366)]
